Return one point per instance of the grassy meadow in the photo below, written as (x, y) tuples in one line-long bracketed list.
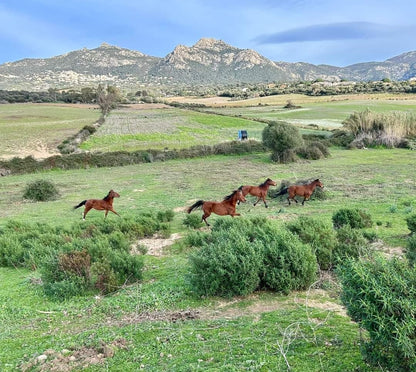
[(37, 129), (172, 128), (158, 324)]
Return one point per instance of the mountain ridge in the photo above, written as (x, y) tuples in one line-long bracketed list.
[(208, 61)]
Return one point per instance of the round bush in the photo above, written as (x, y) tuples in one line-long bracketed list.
[(41, 190), (281, 137), (311, 152), (355, 218), (240, 255), (288, 264), (228, 266)]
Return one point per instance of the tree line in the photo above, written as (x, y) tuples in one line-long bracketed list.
[(316, 87)]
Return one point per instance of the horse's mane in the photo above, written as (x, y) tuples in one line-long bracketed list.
[(264, 183), (228, 197), (107, 196)]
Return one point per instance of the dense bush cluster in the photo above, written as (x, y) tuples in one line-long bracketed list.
[(380, 295), (354, 218), (240, 256), (83, 258)]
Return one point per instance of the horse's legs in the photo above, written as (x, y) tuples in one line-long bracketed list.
[(306, 197), (112, 210), (86, 210), (258, 199), (205, 216), (293, 198)]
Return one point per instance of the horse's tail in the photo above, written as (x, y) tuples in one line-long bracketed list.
[(196, 205), (80, 204), (281, 192)]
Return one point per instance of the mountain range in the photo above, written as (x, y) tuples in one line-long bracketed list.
[(209, 61)]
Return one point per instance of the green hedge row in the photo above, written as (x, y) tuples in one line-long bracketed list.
[(120, 158)]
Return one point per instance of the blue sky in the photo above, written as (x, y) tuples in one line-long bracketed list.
[(332, 32)]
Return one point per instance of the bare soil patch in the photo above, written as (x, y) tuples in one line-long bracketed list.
[(156, 245), (231, 310), (35, 148), (77, 359)]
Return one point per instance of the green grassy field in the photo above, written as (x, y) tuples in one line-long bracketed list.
[(326, 114), (171, 128), (36, 129), (158, 324), (240, 334)]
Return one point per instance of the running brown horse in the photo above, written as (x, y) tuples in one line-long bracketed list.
[(260, 191), (300, 190), (224, 208), (105, 204)]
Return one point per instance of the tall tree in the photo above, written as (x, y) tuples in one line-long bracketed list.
[(108, 98)]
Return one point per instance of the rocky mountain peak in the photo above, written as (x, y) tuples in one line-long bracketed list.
[(212, 44)]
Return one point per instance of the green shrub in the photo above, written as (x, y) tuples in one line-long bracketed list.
[(103, 277), (319, 235), (288, 264), (281, 137), (240, 255), (355, 218), (227, 266), (82, 258), (411, 249), (341, 138), (411, 223), (310, 152), (381, 296), (350, 243), (165, 216), (193, 221), (196, 238), (41, 190)]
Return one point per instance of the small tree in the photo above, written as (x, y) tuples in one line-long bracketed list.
[(108, 98), (282, 138)]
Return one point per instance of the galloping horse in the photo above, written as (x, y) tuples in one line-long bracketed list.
[(105, 204), (301, 190), (260, 191), (226, 207)]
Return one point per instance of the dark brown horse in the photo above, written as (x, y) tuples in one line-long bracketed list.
[(105, 204), (224, 208), (260, 191), (301, 190)]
